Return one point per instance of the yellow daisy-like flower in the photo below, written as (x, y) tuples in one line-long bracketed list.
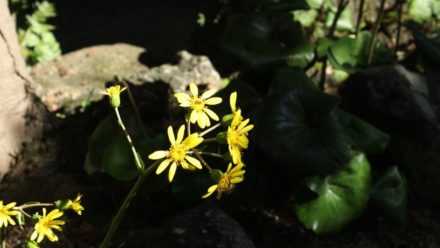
[(5, 214), (199, 104), (76, 206), (227, 181), (45, 225), (177, 155), (237, 136), (114, 93)]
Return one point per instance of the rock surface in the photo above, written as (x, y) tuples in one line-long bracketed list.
[(200, 227), (79, 77)]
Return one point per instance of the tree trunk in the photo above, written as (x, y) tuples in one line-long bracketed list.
[(18, 119)]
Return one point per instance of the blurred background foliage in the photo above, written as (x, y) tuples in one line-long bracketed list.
[(35, 35)]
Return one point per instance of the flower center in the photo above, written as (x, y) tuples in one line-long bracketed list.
[(225, 185), (233, 137), (177, 153), (197, 103)]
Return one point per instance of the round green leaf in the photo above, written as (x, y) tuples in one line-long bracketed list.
[(299, 128), (264, 42), (350, 54), (341, 197), (390, 194), (118, 160)]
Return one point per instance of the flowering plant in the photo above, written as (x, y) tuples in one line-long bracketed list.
[(43, 223), (187, 147)]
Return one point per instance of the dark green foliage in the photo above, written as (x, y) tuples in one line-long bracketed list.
[(265, 42), (390, 194)]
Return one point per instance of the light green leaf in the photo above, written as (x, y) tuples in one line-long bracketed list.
[(341, 197)]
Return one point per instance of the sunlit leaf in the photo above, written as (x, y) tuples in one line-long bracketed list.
[(341, 197)]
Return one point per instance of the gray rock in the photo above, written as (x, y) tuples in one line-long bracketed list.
[(203, 226), (79, 77)]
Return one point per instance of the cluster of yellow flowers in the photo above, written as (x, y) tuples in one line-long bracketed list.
[(183, 151), (45, 223)]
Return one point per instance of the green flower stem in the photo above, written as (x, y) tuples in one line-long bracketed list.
[(34, 205), (341, 6), (146, 132), (399, 27), (375, 31), (209, 140), (212, 154), (127, 201), (209, 129), (3, 237), (197, 153), (137, 160), (359, 17), (188, 127)]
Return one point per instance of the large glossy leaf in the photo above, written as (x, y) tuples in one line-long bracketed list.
[(390, 194), (350, 54), (264, 42), (118, 160), (341, 197), (288, 78), (362, 135), (299, 128)]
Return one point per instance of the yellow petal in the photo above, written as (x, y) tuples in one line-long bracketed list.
[(213, 101), (172, 172), (211, 114), (208, 94), (171, 135), (233, 101), (183, 99), (158, 155), (194, 161), (194, 116), (162, 166), (194, 90), (180, 134), (237, 180), (192, 141), (211, 190)]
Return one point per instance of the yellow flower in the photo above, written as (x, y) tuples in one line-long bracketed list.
[(114, 93), (76, 206), (237, 136), (45, 225), (227, 181), (199, 104), (178, 153), (6, 213)]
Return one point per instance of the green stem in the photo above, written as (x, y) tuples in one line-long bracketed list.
[(209, 129), (359, 17), (212, 154), (137, 114), (33, 205), (137, 160), (201, 159), (3, 237), (209, 140), (341, 6), (375, 32), (399, 26), (127, 201)]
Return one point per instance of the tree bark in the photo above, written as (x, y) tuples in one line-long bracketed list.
[(19, 121)]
